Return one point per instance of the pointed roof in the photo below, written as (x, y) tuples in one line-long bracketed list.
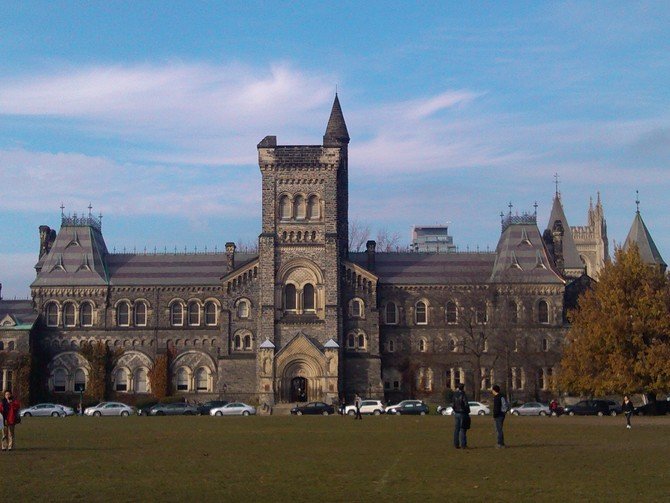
[(639, 234), (571, 258), (336, 130)]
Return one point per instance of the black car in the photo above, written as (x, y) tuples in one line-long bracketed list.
[(660, 408), (204, 409), (314, 408), (412, 408), (590, 408)]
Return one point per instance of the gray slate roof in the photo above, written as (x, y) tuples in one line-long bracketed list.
[(639, 234), (21, 311), (416, 268), (521, 257), (571, 258)]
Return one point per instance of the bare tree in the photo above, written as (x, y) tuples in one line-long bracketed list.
[(359, 233), (387, 241), (247, 245)]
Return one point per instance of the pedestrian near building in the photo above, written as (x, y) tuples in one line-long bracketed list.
[(499, 410), (357, 404), (10, 413), (627, 407), (461, 417)]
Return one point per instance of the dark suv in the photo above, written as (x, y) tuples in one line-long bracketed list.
[(590, 408)]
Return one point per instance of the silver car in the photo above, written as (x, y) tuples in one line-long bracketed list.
[(110, 409), (47, 409), (233, 409), (531, 409)]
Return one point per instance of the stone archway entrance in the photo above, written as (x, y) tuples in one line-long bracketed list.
[(298, 390)]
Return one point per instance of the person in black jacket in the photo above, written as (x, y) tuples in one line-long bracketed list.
[(628, 410), (498, 416), (461, 417)]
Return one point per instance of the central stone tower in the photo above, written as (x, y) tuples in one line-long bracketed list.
[(301, 248)]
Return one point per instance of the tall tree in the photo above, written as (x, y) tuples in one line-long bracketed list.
[(619, 341)]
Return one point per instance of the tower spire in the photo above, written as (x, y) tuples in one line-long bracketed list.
[(336, 130)]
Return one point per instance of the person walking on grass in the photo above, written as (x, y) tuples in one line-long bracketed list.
[(461, 417), (500, 407), (10, 413), (357, 404), (628, 409)]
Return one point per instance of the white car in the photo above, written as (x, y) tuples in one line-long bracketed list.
[(47, 409), (531, 409), (393, 409), (375, 407), (477, 408), (233, 409), (110, 409)]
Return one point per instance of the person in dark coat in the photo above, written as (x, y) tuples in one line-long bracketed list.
[(10, 413), (461, 417), (628, 410), (357, 404), (498, 416)]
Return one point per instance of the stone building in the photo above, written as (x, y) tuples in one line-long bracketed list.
[(304, 318)]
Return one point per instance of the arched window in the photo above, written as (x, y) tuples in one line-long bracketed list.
[(210, 313), (247, 342), (313, 212), (79, 381), (542, 312), (140, 381), (68, 314), (86, 315), (237, 342), (194, 314), (123, 314), (356, 308), (176, 314), (421, 313), (361, 341), (52, 314), (299, 207), (201, 380), (284, 208), (512, 312), (140, 314), (290, 297), (121, 380), (243, 309), (308, 301), (451, 345), (422, 345), (182, 379), (391, 314), (545, 344), (391, 346), (451, 312), (60, 380), (351, 341)]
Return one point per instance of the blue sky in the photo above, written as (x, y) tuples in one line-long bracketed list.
[(151, 112)]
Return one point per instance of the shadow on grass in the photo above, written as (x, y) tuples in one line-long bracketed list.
[(18, 450)]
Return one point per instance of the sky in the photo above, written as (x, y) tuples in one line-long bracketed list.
[(151, 112)]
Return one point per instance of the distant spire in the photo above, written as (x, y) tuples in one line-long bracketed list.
[(336, 130), (558, 194), (637, 201)]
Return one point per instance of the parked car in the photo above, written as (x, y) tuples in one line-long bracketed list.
[(412, 408), (660, 408), (47, 409), (313, 408), (233, 409), (109, 409), (172, 409), (531, 409), (615, 407), (204, 409), (375, 407), (392, 409), (477, 408), (589, 408)]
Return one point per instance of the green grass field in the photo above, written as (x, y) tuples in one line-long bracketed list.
[(336, 459)]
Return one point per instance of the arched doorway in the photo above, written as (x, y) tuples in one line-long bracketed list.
[(298, 389)]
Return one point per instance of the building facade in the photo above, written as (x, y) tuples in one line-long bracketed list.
[(303, 318)]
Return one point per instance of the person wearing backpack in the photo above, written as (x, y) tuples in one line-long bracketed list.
[(462, 417), (500, 408)]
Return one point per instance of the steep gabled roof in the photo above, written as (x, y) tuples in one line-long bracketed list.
[(21, 312), (521, 256), (336, 130), (639, 234), (571, 258)]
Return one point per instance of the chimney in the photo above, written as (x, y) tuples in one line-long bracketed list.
[(230, 254), (370, 248), (45, 240)]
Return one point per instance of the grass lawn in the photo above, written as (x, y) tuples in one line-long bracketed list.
[(336, 459)]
